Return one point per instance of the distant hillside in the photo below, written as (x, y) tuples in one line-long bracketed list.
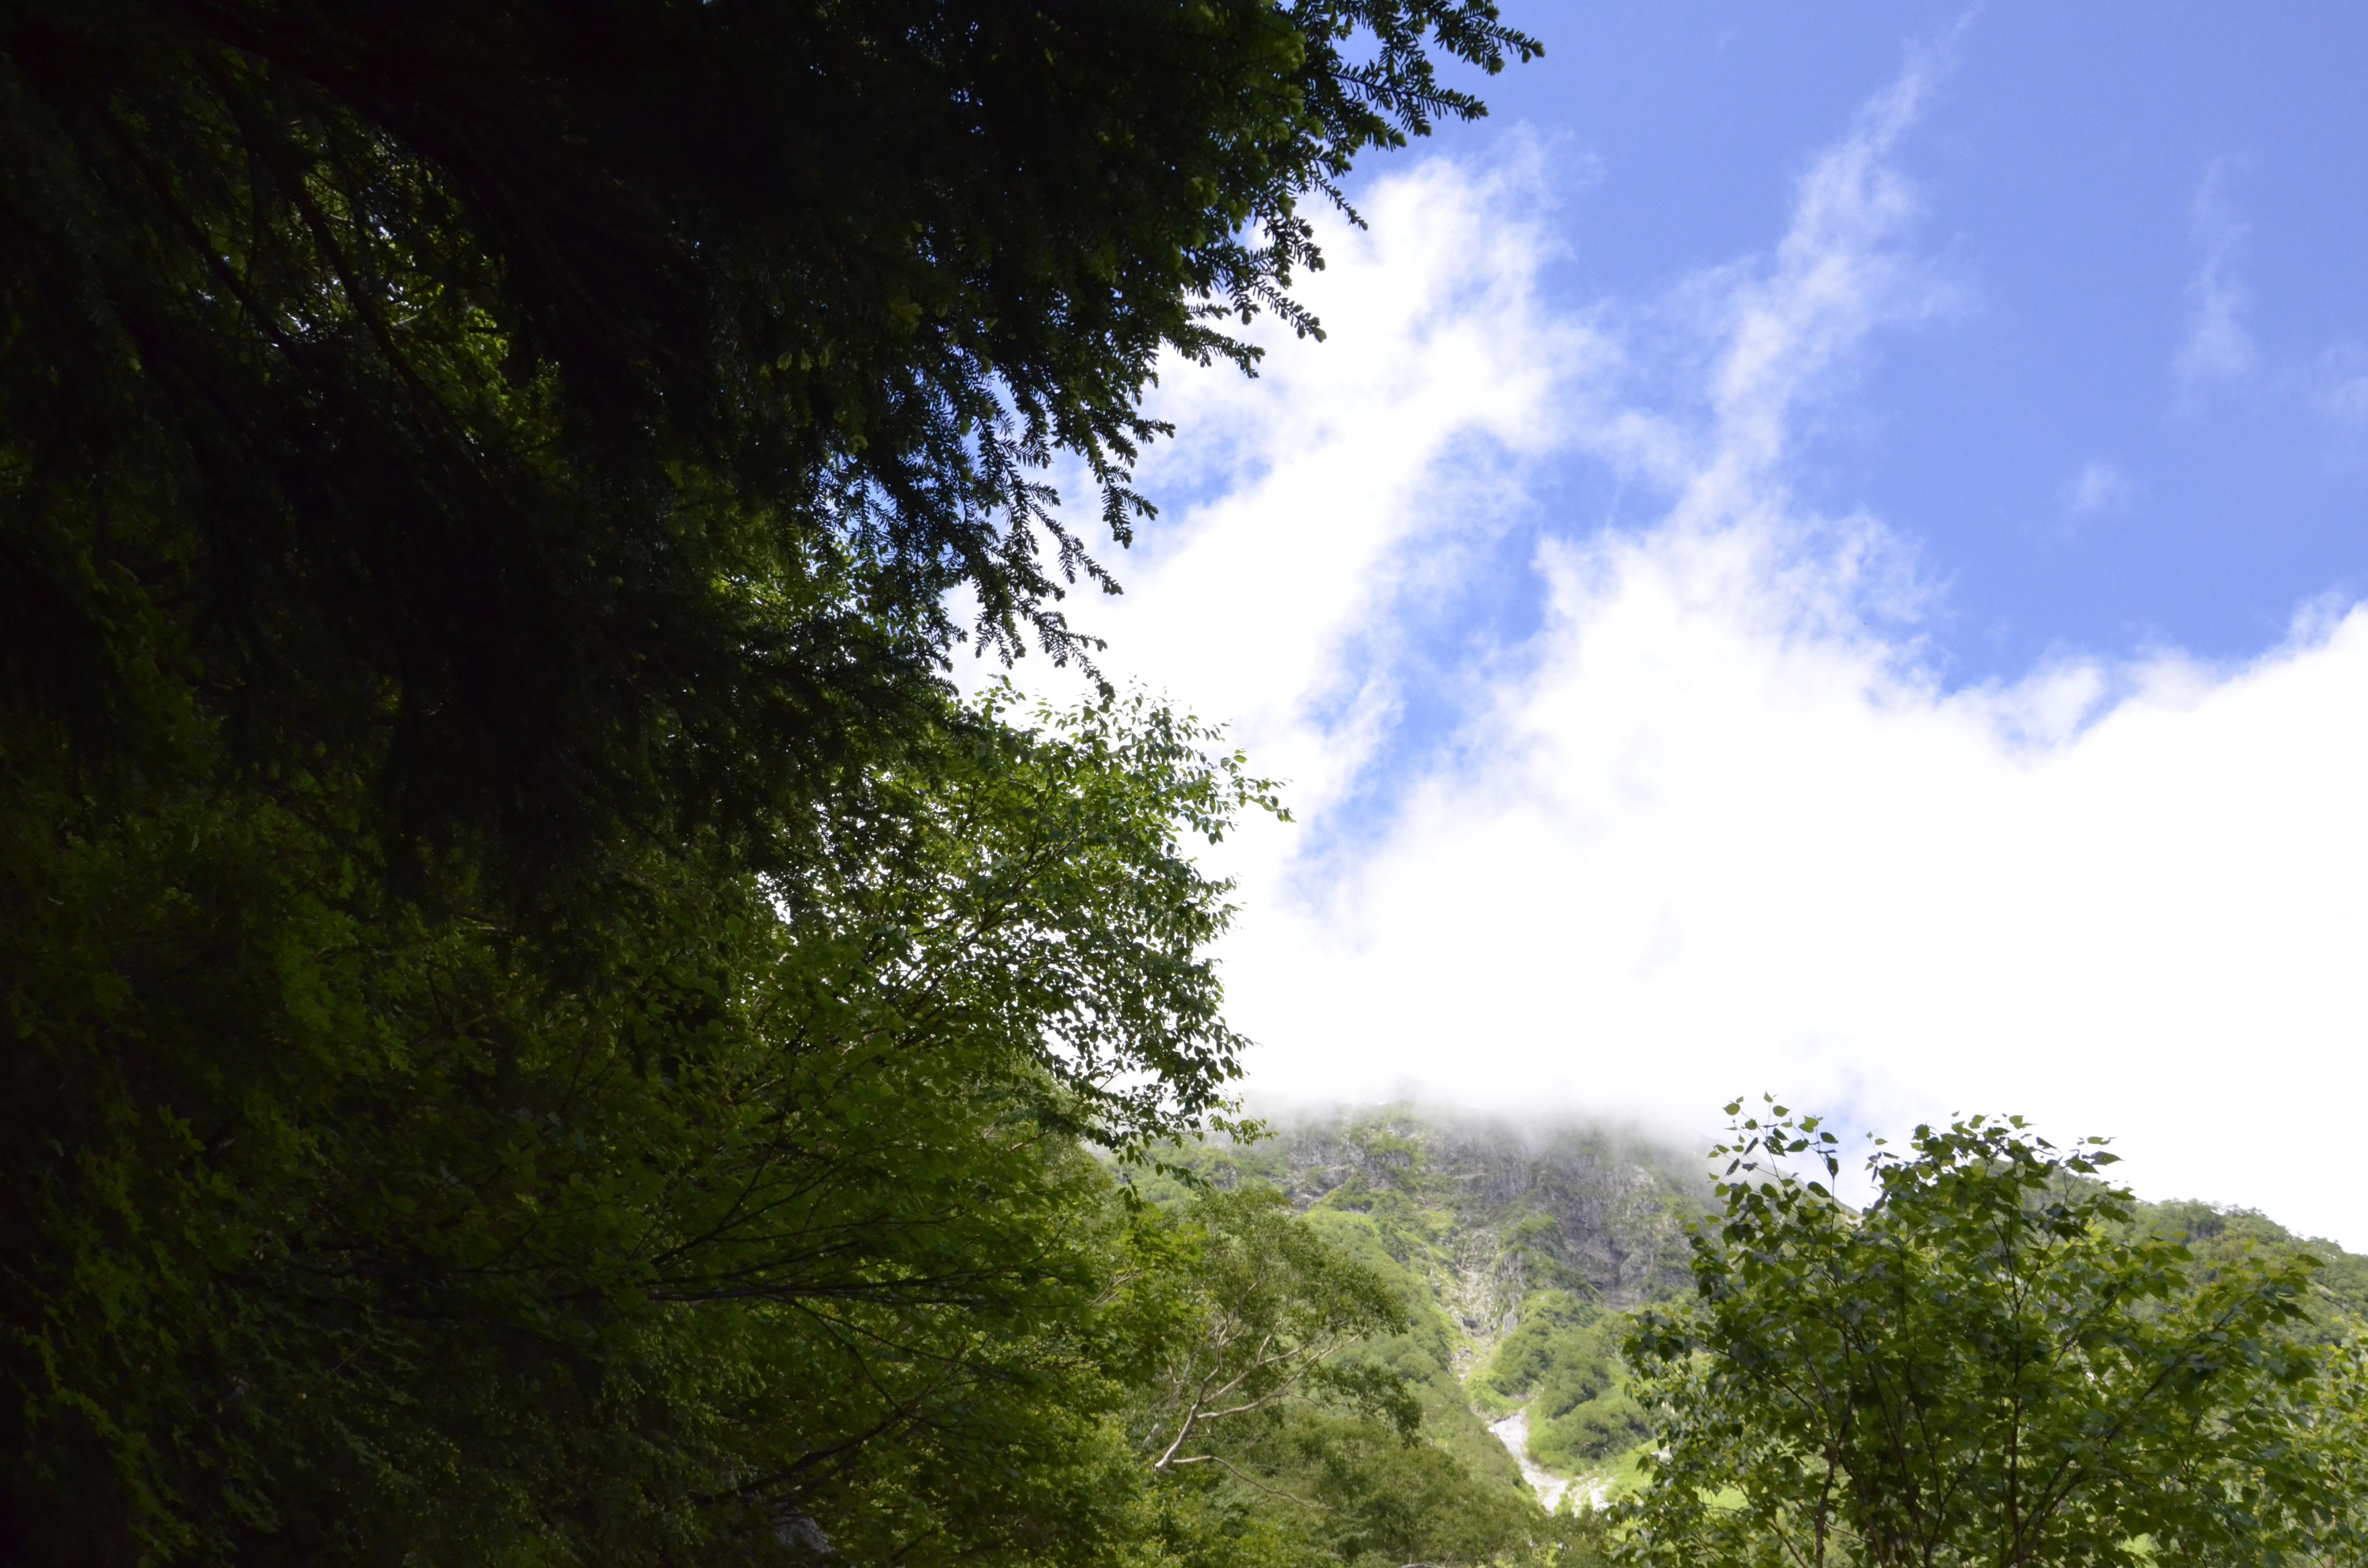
[(2219, 1235), (1518, 1246), (1488, 1210)]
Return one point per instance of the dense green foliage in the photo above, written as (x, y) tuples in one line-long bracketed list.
[(1523, 1245), (571, 421), (1518, 1245), (1562, 1365), (1994, 1362), (1297, 1403), (365, 1220), (539, 1029)]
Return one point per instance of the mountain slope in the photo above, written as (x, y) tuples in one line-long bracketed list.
[(1489, 1225), (1520, 1246)]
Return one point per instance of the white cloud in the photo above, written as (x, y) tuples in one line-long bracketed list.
[(1713, 828), (2219, 346), (1701, 852), (2099, 489), (1354, 479)]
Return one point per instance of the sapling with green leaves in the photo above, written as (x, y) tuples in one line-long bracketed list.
[(1989, 1363)]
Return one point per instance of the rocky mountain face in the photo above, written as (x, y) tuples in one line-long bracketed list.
[(1491, 1211)]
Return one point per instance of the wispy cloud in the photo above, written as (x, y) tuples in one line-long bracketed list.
[(1715, 826), (2099, 490), (1781, 331), (2335, 387), (1840, 273), (2222, 350), (2219, 346)]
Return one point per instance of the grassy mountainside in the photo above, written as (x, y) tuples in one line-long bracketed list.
[(1519, 1248)]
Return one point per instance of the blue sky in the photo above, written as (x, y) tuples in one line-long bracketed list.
[(1822, 554), (2094, 179)]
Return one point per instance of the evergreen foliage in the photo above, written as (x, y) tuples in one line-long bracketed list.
[(570, 422)]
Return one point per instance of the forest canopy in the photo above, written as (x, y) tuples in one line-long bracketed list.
[(540, 1027), (571, 420)]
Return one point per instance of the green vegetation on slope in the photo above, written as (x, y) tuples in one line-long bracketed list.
[(1531, 1247), (1562, 1366), (1297, 1409), (2223, 1239), (1504, 1247), (1521, 1248), (1485, 1210)]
